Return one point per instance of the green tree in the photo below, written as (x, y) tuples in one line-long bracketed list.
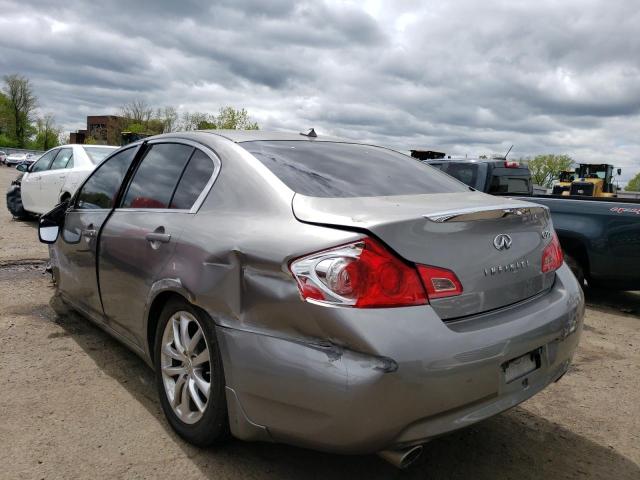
[(231, 118), (197, 121), (7, 141), (634, 184), (47, 133), (4, 115), (21, 103), (545, 168)]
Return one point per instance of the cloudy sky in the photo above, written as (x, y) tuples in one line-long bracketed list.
[(465, 77)]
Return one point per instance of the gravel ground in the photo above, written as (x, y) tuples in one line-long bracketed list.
[(76, 404)]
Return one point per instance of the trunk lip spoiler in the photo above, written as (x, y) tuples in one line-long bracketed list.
[(480, 213)]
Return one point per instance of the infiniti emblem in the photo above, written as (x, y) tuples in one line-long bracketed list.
[(502, 242)]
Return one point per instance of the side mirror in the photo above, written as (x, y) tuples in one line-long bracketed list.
[(23, 167), (51, 223), (619, 171)]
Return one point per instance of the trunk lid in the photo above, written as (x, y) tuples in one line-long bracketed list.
[(463, 232)]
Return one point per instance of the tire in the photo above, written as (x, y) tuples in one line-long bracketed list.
[(199, 420), (576, 268), (14, 203)]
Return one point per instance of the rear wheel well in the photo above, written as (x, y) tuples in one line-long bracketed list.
[(577, 250), (154, 315)]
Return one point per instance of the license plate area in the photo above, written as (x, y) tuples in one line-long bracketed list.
[(521, 366)]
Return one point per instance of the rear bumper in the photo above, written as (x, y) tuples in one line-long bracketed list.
[(418, 379)]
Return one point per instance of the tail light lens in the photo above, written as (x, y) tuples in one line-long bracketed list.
[(439, 282), (511, 164), (552, 256), (365, 274)]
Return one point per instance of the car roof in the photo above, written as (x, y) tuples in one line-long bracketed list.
[(240, 136), (495, 161), (87, 145)]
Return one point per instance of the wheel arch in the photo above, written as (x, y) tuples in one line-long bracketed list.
[(577, 249), (161, 293)]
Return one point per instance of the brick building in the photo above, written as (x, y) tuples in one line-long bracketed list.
[(102, 129)]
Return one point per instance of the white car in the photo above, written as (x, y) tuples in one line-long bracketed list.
[(15, 158), (58, 173)]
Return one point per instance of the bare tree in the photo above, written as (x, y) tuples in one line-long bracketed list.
[(21, 103), (169, 118), (137, 111)]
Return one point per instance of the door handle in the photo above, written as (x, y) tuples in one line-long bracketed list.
[(88, 232), (158, 237)]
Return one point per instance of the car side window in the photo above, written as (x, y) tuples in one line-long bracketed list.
[(101, 189), (155, 179), (194, 178), (62, 159), (44, 161)]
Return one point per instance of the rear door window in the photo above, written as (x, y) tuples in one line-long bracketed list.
[(157, 175), (194, 179), (329, 169), (97, 154), (62, 159)]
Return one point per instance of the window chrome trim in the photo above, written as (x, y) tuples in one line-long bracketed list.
[(217, 166)]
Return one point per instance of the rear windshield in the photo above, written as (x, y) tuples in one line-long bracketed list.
[(97, 154), (327, 169), (507, 180)]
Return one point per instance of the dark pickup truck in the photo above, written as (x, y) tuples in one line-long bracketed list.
[(600, 238), (493, 176)]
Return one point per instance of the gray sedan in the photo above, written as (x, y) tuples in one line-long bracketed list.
[(315, 291)]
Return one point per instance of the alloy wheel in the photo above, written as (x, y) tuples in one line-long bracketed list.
[(185, 363)]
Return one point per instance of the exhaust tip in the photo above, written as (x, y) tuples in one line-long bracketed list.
[(402, 458)]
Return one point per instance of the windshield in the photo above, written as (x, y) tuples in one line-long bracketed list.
[(97, 154), (593, 171), (566, 177), (328, 169)]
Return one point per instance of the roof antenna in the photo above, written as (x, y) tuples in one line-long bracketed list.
[(505, 155), (311, 133)]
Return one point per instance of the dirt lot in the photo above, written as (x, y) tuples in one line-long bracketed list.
[(76, 404)]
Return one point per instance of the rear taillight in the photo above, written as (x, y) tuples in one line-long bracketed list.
[(552, 256), (364, 274), (439, 282), (511, 164)]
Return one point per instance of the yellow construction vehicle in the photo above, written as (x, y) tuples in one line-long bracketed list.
[(594, 180), (563, 185)]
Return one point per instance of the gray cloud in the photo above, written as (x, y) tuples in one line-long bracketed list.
[(465, 77)]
